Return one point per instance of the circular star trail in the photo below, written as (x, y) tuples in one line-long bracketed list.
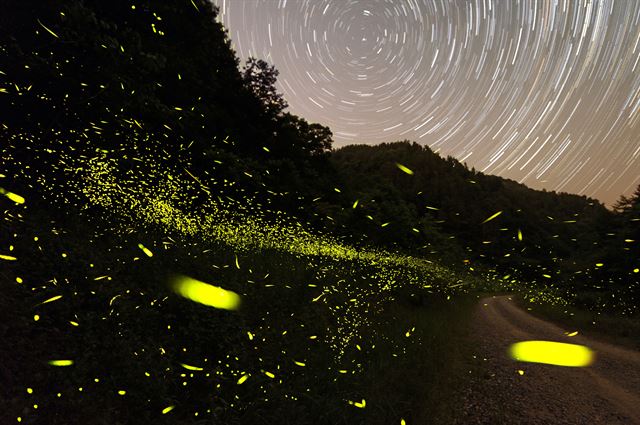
[(544, 92)]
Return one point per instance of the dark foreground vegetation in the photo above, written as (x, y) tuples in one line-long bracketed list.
[(131, 129), (138, 349)]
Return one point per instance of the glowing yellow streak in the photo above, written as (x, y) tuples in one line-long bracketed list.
[(355, 204), (168, 409), (573, 333), (403, 422), (145, 250), (205, 188), (299, 363), (404, 169), (60, 362), (189, 367), (237, 264), (270, 375), (50, 32), (555, 353), (52, 299), (361, 404), (492, 217), (14, 197), (8, 257), (242, 379), (206, 294), (194, 5), (519, 235), (122, 392)]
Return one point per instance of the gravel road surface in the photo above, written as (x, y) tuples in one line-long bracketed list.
[(606, 392)]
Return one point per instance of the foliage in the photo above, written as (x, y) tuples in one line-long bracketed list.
[(89, 284), (260, 78), (167, 68), (440, 210)]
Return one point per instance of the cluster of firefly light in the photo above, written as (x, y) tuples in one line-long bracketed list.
[(141, 194)]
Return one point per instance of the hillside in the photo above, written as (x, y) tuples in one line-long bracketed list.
[(443, 210)]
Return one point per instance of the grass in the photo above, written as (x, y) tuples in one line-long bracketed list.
[(128, 334), (326, 334), (422, 385)]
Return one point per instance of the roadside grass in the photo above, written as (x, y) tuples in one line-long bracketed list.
[(423, 384), (129, 336), (614, 329), (320, 337)]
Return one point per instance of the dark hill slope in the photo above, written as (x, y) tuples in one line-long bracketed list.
[(441, 210)]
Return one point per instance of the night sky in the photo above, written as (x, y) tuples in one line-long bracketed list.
[(544, 92)]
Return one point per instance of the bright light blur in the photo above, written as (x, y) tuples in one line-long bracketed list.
[(554, 353), (206, 294)]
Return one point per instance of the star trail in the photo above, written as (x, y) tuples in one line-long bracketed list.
[(543, 92)]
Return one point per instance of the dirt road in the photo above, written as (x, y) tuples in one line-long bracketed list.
[(607, 392)]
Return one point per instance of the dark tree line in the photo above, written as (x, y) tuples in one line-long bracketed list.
[(440, 210)]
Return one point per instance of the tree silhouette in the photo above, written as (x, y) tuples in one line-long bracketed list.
[(308, 139), (260, 78)]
